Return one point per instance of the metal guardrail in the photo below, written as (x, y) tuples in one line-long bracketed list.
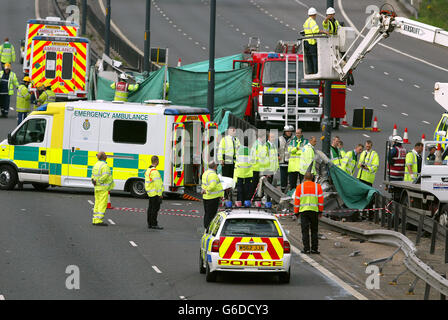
[(411, 6), (240, 123)]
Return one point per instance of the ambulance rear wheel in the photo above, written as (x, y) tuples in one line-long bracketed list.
[(40, 186), (137, 189), (8, 177), (210, 276)]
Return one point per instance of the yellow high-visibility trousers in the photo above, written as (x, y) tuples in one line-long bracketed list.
[(101, 198)]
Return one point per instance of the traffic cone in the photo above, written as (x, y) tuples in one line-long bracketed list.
[(179, 63), (423, 138), (375, 125), (394, 133), (405, 136), (109, 204), (344, 121)]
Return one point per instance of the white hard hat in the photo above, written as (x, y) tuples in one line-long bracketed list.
[(312, 11), (397, 139), (331, 10), (123, 76), (288, 128)]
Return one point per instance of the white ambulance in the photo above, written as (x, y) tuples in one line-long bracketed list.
[(57, 145)]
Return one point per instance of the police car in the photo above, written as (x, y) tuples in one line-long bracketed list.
[(245, 240)]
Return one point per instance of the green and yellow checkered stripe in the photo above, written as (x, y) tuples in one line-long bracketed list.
[(301, 91)]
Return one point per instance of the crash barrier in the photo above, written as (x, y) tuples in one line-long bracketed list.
[(384, 214), (411, 6), (240, 123), (362, 118)]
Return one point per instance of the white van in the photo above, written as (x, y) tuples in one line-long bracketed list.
[(57, 145)]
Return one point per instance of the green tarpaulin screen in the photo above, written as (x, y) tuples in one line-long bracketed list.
[(232, 90), (355, 194), (221, 64)]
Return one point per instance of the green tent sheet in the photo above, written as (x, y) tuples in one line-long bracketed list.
[(151, 88), (221, 64), (232, 90), (355, 194)]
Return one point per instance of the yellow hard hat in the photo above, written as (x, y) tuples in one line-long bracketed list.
[(47, 83), (27, 79), (39, 85), (7, 66)]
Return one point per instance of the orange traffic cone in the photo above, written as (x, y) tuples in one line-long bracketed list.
[(109, 204), (179, 62), (375, 125), (344, 121), (394, 132), (423, 138), (405, 136)]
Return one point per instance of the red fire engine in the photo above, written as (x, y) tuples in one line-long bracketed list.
[(268, 106)]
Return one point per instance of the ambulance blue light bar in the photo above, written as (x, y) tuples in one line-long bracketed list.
[(273, 56)]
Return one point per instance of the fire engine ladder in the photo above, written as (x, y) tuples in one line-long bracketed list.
[(296, 109)]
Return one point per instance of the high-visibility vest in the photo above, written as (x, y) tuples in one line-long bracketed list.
[(153, 182), (23, 102), (260, 156), (7, 53), (306, 159), (295, 152), (335, 156), (273, 159), (122, 89), (102, 176), (308, 197), (396, 170), (349, 162), (331, 26), (343, 153), (411, 160), (244, 163), (47, 96), (310, 27), (371, 160), (12, 81), (227, 150), (211, 185)]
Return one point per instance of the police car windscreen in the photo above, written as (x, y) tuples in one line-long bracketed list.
[(249, 227)]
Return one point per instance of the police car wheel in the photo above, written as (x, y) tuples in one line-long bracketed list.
[(137, 189), (210, 276), (284, 277), (201, 264), (8, 177)]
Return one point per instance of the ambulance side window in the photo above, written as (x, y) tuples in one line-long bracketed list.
[(67, 66), (50, 65), (32, 131), (126, 131)]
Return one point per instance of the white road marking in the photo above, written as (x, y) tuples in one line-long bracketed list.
[(349, 89), (400, 79), (182, 298), (372, 67), (11, 108), (384, 105), (156, 269), (91, 202), (329, 275), (366, 97), (365, 135), (2, 297), (424, 121), (405, 114), (350, 22), (417, 86), (386, 73), (110, 221), (133, 243)]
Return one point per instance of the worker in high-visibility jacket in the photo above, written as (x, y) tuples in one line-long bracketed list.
[(212, 193), (103, 182), (413, 165), (154, 189), (243, 173), (330, 24), (23, 102), (7, 53), (122, 88), (260, 158), (227, 149), (335, 152), (309, 205), (8, 80), (311, 29), (295, 152), (351, 159), (46, 94), (274, 158), (307, 162), (368, 164), (341, 149)]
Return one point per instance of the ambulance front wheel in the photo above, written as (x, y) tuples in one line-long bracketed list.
[(8, 177), (137, 188)]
